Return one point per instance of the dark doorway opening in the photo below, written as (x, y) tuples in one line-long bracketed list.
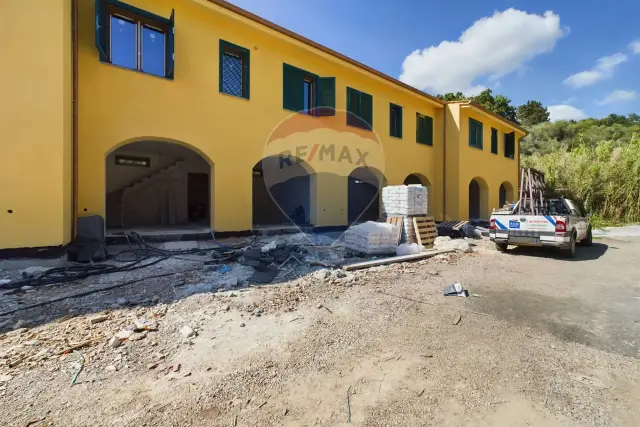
[(198, 198), (474, 200), (364, 187)]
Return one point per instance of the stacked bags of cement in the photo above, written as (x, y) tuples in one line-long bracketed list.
[(404, 200), (372, 238)]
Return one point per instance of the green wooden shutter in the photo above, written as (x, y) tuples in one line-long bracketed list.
[(326, 96), (353, 106), (399, 122), (102, 30), (494, 141), (472, 133), (366, 110), (246, 74), (419, 127), (170, 47), (221, 46), (428, 130), (293, 88)]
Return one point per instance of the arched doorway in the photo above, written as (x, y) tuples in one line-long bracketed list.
[(419, 179), (505, 194), (478, 199), (281, 192), (364, 187), (157, 184)]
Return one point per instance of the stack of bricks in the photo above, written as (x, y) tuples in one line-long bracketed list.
[(406, 201)]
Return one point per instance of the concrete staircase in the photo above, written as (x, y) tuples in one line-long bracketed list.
[(115, 199)]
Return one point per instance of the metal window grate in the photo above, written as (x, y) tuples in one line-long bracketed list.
[(232, 74)]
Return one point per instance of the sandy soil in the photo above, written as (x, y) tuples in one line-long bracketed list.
[(541, 341)]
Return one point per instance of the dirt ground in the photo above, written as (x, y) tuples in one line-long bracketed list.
[(541, 341)]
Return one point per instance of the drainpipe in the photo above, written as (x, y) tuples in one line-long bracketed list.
[(444, 164), (74, 179)]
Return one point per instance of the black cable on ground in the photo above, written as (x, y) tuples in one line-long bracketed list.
[(93, 291), (134, 257)]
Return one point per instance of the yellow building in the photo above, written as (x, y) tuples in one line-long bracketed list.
[(164, 113)]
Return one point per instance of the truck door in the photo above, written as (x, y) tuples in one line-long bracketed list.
[(579, 219)]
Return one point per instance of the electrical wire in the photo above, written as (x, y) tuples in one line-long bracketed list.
[(133, 257)]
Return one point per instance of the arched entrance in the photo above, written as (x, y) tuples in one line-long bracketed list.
[(419, 179), (281, 192), (364, 187), (157, 184), (478, 199), (505, 194)]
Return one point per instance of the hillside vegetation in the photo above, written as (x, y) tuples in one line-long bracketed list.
[(594, 161)]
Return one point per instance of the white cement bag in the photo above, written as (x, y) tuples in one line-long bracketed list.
[(372, 238)]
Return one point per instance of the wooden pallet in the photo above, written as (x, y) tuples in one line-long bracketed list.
[(398, 221), (426, 230)]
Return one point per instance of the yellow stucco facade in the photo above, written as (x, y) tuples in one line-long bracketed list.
[(118, 106)]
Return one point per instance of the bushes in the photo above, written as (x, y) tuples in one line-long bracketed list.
[(604, 176)]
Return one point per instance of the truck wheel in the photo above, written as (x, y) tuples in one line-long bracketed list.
[(570, 252), (588, 241), (501, 247)]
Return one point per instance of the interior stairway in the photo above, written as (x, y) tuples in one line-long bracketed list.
[(115, 199)]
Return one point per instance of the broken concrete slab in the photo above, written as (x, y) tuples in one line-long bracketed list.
[(180, 246)]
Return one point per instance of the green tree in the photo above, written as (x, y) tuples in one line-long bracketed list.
[(498, 104), (458, 96), (532, 113)]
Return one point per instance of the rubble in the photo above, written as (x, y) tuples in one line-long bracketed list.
[(187, 332), (446, 242)]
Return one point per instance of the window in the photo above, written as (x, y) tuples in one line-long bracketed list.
[(309, 103), (395, 120), (475, 133), (133, 38), (494, 141), (307, 93), (510, 145), (359, 109), (424, 129), (234, 70)]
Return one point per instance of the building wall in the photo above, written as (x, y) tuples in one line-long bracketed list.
[(490, 170), (119, 106), (36, 122)]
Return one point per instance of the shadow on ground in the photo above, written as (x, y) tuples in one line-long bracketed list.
[(569, 319), (583, 253)]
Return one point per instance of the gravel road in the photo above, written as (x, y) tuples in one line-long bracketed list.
[(541, 341)]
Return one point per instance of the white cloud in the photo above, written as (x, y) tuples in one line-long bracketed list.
[(492, 47), (565, 112), (603, 69), (618, 96), (635, 47)]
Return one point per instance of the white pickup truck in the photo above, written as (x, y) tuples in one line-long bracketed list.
[(562, 227)]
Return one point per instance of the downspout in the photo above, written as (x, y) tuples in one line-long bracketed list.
[(74, 179), (444, 164)]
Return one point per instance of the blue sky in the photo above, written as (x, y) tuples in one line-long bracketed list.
[(576, 57)]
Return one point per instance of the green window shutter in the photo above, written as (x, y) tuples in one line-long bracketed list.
[(326, 96), (395, 120), (221, 46), (494, 141), (293, 88), (169, 46), (102, 30), (353, 106), (366, 110), (428, 130), (475, 133), (419, 128), (510, 145), (246, 74)]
